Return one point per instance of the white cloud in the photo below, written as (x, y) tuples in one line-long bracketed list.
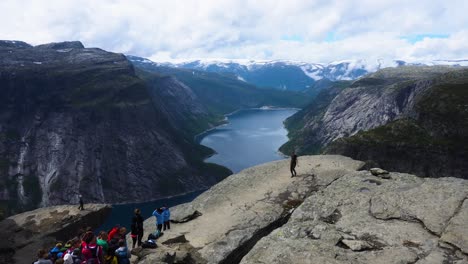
[(163, 30)]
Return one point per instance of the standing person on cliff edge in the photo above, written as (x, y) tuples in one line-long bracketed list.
[(81, 202), (293, 164), (137, 228), (167, 218), (158, 213)]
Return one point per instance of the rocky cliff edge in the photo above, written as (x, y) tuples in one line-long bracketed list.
[(23, 234), (329, 213)]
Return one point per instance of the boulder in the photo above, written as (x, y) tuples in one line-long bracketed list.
[(380, 173), (25, 233)]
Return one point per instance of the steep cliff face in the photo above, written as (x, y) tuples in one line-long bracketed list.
[(304, 140), (182, 106), (77, 120), (430, 99)]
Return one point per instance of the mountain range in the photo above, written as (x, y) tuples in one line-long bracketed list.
[(293, 75)]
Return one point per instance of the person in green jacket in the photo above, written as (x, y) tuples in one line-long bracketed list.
[(102, 241)]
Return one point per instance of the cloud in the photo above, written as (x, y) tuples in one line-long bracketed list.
[(308, 30)]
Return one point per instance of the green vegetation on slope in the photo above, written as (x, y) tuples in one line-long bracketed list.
[(434, 144)]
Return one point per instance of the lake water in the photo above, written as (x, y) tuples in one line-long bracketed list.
[(122, 213), (250, 138)]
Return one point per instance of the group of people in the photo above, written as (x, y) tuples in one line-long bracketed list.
[(88, 248), (106, 247), (163, 218)]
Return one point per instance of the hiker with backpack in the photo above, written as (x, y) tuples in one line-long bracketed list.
[(91, 252), (167, 218), (137, 228), (122, 253), (158, 213)]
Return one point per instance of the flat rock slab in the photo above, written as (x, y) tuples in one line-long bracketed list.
[(241, 208), (456, 232), (25, 233), (361, 218)]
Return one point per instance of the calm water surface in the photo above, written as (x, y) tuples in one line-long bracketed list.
[(250, 138)]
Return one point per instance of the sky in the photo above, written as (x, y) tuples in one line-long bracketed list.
[(300, 30)]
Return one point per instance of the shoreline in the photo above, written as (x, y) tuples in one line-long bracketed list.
[(197, 138), (206, 133), (162, 198)]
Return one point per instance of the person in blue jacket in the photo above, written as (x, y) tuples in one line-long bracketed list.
[(158, 213), (167, 218)]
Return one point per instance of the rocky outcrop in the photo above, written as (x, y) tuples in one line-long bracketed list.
[(24, 234), (80, 120), (329, 213), (404, 219), (234, 214)]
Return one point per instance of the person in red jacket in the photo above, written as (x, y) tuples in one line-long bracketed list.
[(114, 231)]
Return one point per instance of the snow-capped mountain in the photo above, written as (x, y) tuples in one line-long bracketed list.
[(293, 75)]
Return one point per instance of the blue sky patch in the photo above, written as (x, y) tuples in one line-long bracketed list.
[(420, 37), (293, 38)]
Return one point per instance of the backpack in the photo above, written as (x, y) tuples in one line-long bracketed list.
[(94, 258), (149, 244), (122, 256), (154, 235)]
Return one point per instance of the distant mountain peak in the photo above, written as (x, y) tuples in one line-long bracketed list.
[(293, 75)]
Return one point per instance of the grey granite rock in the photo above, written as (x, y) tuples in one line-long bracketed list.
[(394, 221), (246, 206), (456, 232)]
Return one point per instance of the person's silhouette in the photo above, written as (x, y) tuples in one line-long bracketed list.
[(293, 164)]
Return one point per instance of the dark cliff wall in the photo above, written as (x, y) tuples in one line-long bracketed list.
[(76, 120), (409, 119)]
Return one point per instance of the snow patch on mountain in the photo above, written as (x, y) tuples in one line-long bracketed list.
[(287, 74), (240, 78)]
